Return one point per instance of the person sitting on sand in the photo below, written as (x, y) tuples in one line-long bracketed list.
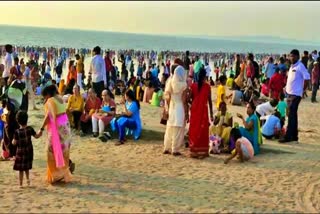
[(265, 88), (266, 108), (92, 104), (102, 117), (129, 121), (230, 81), (251, 129), (157, 97), (272, 127), (243, 150), (222, 125), (75, 108)]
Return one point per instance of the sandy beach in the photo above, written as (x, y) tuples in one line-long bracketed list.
[(137, 177)]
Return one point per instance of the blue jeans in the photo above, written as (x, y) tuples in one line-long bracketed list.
[(292, 129), (130, 124)]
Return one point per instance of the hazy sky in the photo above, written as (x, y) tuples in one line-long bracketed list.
[(295, 20)]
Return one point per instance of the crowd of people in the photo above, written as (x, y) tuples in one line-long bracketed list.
[(179, 84)]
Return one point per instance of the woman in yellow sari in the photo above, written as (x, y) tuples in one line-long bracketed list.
[(59, 140)]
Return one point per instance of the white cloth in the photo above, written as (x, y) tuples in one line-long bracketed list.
[(296, 76), (98, 69), (265, 109), (7, 65), (208, 71), (173, 138), (95, 123), (176, 85), (79, 81)]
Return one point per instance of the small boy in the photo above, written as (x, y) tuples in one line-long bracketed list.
[(221, 91), (272, 127), (282, 107)]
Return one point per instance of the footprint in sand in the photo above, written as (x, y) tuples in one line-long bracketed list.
[(309, 199)]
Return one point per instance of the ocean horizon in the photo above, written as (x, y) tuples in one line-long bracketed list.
[(74, 38)]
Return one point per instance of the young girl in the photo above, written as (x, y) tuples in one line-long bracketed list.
[(24, 154), (243, 150)]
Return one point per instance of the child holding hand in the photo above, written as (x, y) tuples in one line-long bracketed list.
[(22, 139)]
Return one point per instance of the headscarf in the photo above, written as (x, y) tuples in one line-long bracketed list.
[(178, 82)]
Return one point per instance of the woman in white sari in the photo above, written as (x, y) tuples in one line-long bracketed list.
[(176, 98)]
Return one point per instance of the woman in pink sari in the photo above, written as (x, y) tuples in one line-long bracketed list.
[(199, 120), (59, 140)]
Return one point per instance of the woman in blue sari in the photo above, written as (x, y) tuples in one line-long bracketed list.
[(251, 129), (129, 122)]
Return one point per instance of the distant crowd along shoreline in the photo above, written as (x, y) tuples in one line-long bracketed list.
[(67, 52)]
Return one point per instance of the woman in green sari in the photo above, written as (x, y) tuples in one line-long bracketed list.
[(251, 129)]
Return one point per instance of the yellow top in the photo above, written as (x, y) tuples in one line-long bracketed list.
[(75, 103), (229, 82), (221, 92)]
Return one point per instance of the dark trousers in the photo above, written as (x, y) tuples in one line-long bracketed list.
[(314, 92), (98, 87), (292, 129), (76, 118)]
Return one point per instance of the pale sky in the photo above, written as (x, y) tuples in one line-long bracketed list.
[(294, 20)]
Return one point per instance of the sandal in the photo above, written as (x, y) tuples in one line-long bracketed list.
[(119, 143), (176, 154), (103, 138), (166, 152)]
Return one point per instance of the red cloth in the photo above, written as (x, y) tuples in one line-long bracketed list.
[(250, 71), (265, 90), (108, 63), (276, 85), (90, 104), (199, 119)]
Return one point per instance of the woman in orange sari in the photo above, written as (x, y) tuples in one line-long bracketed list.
[(199, 120), (72, 74), (59, 140)]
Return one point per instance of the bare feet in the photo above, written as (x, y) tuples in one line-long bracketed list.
[(226, 161)]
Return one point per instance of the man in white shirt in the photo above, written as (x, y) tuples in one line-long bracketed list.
[(98, 72), (7, 66), (297, 75), (208, 70)]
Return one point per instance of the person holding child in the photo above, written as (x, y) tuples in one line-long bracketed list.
[(22, 139)]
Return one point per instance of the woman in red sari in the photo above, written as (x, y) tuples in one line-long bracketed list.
[(199, 119), (92, 104)]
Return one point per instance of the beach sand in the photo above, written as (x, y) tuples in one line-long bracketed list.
[(137, 177)]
